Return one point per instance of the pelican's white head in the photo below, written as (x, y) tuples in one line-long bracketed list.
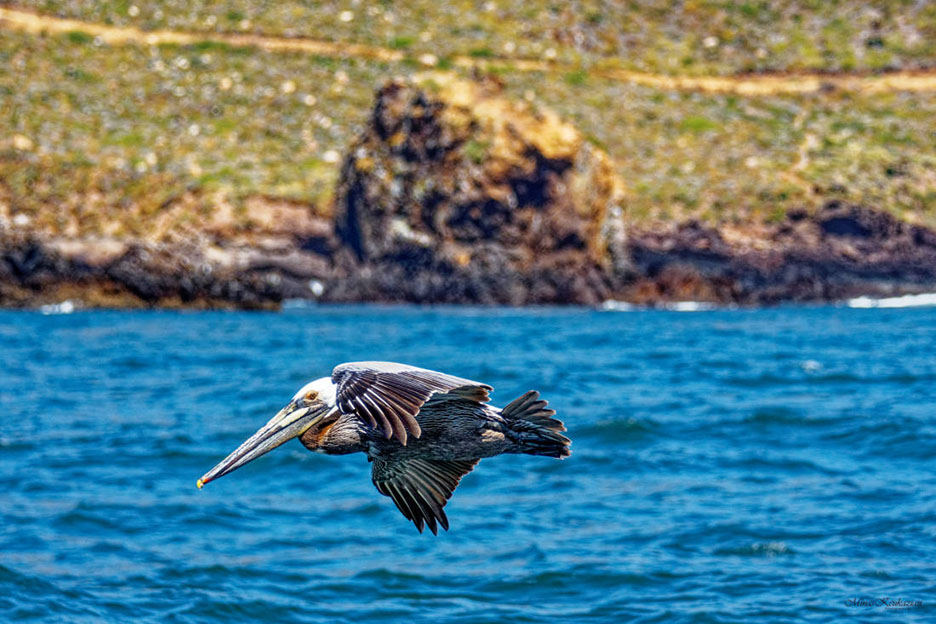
[(321, 389)]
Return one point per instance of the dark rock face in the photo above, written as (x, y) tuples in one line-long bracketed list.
[(460, 196), (840, 252), (35, 271)]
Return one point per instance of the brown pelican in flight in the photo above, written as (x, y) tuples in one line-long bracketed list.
[(422, 430)]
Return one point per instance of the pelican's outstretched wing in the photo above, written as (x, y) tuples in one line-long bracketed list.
[(388, 396), (421, 487)]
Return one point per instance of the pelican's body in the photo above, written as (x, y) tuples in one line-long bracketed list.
[(451, 429), (422, 430)]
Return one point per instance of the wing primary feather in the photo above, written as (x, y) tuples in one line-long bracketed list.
[(428, 514), (386, 490), (411, 511), (443, 519), (394, 415), (404, 392), (385, 425), (433, 511), (407, 415), (423, 512), (391, 425), (380, 421), (356, 408), (415, 513), (433, 499), (430, 495)]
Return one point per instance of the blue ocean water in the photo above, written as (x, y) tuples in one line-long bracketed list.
[(728, 466)]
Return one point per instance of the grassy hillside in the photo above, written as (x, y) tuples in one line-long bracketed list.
[(691, 36), (102, 139), (131, 127)]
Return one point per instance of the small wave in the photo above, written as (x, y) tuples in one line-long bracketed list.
[(811, 366), (65, 307), (772, 379), (207, 573), (758, 549), (906, 301), (15, 445), (593, 576), (621, 430), (785, 417), (299, 304), (386, 577), (779, 464), (35, 585), (237, 610), (78, 518)]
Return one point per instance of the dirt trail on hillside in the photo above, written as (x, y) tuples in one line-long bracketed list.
[(922, 81)]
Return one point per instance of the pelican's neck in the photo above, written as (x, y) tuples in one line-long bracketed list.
[(329, 393), (340, 436)]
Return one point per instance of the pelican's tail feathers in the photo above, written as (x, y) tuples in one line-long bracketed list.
[(534, 427)]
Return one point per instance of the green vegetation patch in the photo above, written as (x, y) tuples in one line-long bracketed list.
[(401, 43), (79, 36), (576, 78), (695, 123), (481, 53), (476, 151)]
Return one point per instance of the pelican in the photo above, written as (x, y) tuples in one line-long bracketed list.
[(422, 431)]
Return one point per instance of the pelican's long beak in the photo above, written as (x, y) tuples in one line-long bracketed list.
[(291, 422)]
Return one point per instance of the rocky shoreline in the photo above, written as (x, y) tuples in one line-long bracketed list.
[(453, 194), (803, 262)]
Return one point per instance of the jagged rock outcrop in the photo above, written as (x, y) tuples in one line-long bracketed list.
[(454, 193)]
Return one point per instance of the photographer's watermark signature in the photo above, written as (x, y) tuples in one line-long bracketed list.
[(883, 603)]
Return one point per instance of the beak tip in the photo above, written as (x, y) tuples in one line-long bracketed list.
[(199, 484)]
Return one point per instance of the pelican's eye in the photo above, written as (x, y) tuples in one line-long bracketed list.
[(311, 395)]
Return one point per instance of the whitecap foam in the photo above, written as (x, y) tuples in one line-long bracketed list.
[(617, 306), (612, 305), (906, 301), (688, 306), (65, 307)]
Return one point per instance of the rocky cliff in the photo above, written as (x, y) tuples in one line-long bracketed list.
[(452, 193)]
